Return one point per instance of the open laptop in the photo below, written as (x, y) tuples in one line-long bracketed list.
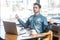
[(10, 27)]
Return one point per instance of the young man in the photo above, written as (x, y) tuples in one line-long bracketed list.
[(36, 21)]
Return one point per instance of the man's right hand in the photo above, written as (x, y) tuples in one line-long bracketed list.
[(16, 16)]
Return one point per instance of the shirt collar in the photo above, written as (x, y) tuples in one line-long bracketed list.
[(37, 14)]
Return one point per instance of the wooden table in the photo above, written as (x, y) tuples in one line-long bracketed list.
[(16, 37)]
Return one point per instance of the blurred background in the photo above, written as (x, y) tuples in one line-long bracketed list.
[(24, 9)]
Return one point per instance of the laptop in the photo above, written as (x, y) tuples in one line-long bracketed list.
[(10, 28)]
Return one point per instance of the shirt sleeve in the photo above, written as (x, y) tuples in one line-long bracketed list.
[(23, 24), (46, 27), (45, 21)]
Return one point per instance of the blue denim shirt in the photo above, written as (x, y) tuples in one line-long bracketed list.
[(37, 22)]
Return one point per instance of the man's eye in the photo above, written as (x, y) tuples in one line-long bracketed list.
[(34, 7)]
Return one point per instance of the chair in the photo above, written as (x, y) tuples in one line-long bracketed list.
[(49, 35)]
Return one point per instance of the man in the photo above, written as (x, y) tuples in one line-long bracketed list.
[(36, 21)]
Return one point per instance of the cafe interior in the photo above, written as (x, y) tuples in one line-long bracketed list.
[(10, 29)]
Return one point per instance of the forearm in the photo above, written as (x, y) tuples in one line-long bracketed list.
[(22, 23)]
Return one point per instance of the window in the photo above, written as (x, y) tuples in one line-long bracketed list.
[(9, 8), (50, 8)]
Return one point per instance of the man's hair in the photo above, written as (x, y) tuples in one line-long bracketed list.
[(38, 5)]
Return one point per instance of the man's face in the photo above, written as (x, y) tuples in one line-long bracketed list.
[(36, 9)]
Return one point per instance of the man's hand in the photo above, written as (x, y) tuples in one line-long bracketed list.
[(17, 17), (51, 21)]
